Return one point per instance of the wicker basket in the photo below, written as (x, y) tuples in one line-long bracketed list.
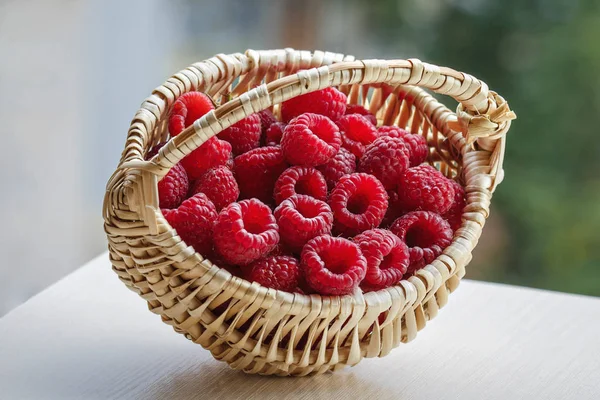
[(265, 331)]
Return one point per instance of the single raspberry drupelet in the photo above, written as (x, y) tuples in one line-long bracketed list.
[(300, 180), (245, 232), (274, 134), (416, 143), (173, 187), (281, 273), (244, 135), (219, 185), (301, 218), (387, 257), (425, 233), (358, 109), (343, 163), (212, 153), (454, 214), (310, 140), (194, 220), (359, 202), (187, 109), (329, 102), (256, 172), (357, 133), (266, 120), (425, 188), (333, 265), (386, 159)]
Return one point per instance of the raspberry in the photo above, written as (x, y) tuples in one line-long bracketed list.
[(219, 185), (394, 210), (266, 120), (300, 180), (281, 273), (359, 202), (194, 220), (310, 140), (357, 132), (425, 188), (333, 265), (244, 135), (343, 163), (454, 214), (274, 134), (257, 170), (358, 109), (425, 233), (173, 187), (387, 257), (187, 109), (386, 159), (416, 143), (212, 153), (301, 218), (245, 231), (329, 102)]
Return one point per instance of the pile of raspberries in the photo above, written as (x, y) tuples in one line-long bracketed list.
[(321, 200)]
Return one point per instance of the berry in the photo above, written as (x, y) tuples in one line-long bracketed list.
[(281, 273), (310, 140), (387, 257), (425, 233), (244, 135), (454, 214), (300, 180), (194, 221), (274, 134), (358, 109), (187, 109), (357, 132), (394, 210), (425, 188), (212, 153), (266, 120), (329, 102), (219, 185), (301, 218), (333, 265), (386, 159), (173, 187), (343, 163), (359, 202), (245, 231), (257, 170), (416, 143)]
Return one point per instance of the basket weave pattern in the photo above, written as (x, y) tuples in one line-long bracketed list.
[(266, 331)]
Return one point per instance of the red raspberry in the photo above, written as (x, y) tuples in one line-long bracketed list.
[(187, 109), (454, 214), (416, 143), (281, 273), (343, 163), (386, 159), (266, 120), (244, 135), (257, 170), (245, 231), (274, 134), (425, 233), (333, 265), (301, 218), (310, 140), (329, 102), (425, 188), (358, 109), (173, 187), (387, 257), (219, 185), (300, 180), (357, 132), (212, 153), (394, 210), (359, 202), (194, 220)]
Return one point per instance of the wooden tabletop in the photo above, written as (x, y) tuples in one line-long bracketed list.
[(88, 337)]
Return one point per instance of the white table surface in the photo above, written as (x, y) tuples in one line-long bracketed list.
[(88, 337)]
